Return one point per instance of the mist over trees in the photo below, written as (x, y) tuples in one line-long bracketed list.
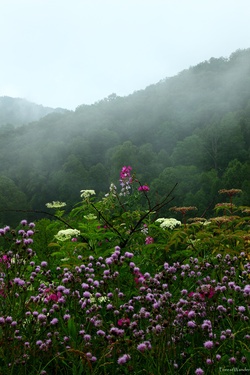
[(193, 129), (17, 111)]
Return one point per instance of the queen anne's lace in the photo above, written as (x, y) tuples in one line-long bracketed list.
[(170, 223), (55, 204), (66, 234)]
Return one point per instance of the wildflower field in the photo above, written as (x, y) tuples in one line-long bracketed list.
[(115, 287)]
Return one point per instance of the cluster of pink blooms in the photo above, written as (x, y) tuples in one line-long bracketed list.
[(206, 291), (51, 295), (125, 179), (149, 240), (5, 260), (143, 188)]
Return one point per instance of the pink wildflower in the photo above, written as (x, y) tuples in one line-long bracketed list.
[(123, 322), (125, 172), (143, 188), (206, 291), (149, 240), (52, 296), (6, 260), (125, 180), (139, 278)]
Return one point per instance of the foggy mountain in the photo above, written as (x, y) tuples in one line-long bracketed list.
[(193, 128), (17, 111)]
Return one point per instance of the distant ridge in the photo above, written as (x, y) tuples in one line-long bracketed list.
[(18, 111)]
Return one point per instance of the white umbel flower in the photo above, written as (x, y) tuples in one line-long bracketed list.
[(170, 223), (66, 234), (87, 193)]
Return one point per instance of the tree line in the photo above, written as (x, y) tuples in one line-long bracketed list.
[(192, 129)]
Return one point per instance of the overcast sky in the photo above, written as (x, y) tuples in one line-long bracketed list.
[(64, 53)]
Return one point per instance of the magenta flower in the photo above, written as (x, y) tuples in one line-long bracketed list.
[(139, 277), (6, 260), (149, 240), (125, 172), (143, 188), (52, 296), (123, 322), (125, 180)]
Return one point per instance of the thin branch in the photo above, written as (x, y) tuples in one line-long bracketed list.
[(107, 222)]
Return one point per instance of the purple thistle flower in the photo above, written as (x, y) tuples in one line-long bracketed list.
[(141, 347), (41, 317), (19, 281), (54, 321), (100, 333), (27, 241), (241, 309), (123, 359), (87, 337), (109, 261), (191, 324), (206, 324), (128, 255), (191, 314), (199, 371), (247, 289), (87, 294), (208, 344)]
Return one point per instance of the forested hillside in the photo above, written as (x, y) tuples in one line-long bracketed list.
[(193, 129), (17, 111)]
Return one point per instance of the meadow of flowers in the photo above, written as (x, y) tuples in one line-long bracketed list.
[(114, 288)]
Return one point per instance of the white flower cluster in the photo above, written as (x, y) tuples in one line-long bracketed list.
[(87, 193), (55, 204), (168, 223), (112, 190), (99, 299), (90, 217), (66, 234)]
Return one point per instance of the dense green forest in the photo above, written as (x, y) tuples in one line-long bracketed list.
[(192, 129)]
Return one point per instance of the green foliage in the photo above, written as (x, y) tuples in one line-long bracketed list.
[(111, 288)]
